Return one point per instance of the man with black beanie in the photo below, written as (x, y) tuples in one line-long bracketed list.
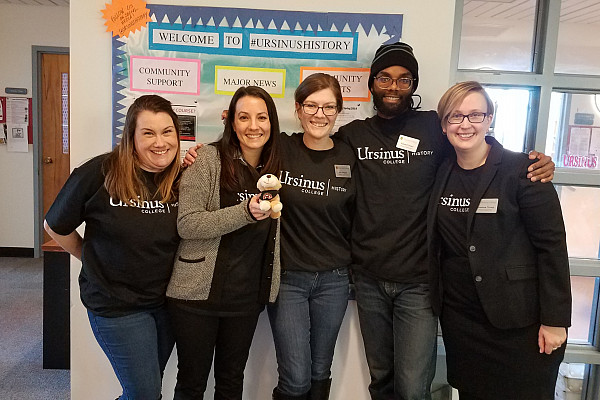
[(398, 152)]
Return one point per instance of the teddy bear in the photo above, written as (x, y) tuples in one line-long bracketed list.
[(269, 186)]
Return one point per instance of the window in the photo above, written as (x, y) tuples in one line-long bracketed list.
[(569, 385), (575, 55), (509, 25), (581, 213), (574, 130), (584, 289), (540, 63), (510, 116)]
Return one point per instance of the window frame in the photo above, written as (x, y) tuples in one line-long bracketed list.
[(542, 82)]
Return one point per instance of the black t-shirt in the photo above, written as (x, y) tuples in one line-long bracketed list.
[(460, 292), (238, 286), (453, 210), (392, 193), (318, 199), (128, 248)]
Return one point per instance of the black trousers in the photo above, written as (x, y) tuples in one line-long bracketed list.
[(198, 337), (468, 396)]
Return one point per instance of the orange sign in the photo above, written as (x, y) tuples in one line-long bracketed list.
[(125, 16)]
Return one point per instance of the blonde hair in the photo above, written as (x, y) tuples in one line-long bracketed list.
[(455, 96), (123, 175)]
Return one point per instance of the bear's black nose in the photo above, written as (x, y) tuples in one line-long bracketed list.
[(268, 176)]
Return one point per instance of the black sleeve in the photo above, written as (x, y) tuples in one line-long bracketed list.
[(68, 210), (341, 134), (540, 211)]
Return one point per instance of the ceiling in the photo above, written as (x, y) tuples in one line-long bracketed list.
[(573, 11), (55, 3)]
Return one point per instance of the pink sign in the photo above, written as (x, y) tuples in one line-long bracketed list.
[(164, 75)]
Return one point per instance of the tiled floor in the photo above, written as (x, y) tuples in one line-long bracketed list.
[(21, 374)]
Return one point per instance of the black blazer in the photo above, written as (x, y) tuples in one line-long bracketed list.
[(518, 255)]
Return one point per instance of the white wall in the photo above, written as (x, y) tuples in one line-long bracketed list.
[(428, 28), (23, 26)]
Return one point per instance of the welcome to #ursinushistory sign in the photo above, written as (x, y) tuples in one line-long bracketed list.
[(198, 56)]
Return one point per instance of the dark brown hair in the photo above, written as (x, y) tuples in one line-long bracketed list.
[(229, 145), (319, 81), (123, 175)]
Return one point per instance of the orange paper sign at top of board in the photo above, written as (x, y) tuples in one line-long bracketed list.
[(125, 16)]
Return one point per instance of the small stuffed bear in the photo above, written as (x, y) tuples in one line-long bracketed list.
[(269, 186)]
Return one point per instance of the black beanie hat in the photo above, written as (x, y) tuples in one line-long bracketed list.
[(395, 54)]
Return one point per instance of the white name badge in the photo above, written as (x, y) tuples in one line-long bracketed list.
[(407, 143), (487, 206), (342, 171)]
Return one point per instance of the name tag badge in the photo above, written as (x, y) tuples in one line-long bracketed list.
[(407, 143), (487, 206), (342, 171)]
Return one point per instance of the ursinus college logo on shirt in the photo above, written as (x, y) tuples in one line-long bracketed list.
[(245, 195), (389, 156), (456, 204), (146, 206), (308, 186)]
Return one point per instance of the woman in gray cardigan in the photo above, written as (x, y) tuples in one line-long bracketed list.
[(227, 265)]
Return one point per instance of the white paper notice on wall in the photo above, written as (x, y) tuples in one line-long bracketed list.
[(17, 113), (16, 138)]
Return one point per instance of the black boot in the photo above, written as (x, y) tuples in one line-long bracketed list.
[(319, 390), (277, 395)]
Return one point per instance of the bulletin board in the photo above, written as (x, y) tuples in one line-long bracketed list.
[(198, 56), (21, 117), (582, 148)]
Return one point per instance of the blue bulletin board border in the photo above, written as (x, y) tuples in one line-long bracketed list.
[(336, 26), (293, 21)]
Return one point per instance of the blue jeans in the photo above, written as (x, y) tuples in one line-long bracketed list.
[(305, 321), (138, 347), (399, 332)]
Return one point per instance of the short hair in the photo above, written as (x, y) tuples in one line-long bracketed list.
[(319, 81), (122, 170), (455, 96), (229, 144)]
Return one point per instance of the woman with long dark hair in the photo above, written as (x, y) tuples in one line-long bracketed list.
[(227, 266), (318, 192)]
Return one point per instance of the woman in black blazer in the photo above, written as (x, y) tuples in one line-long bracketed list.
[(499, 265)]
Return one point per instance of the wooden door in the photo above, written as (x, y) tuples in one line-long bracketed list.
[(54, 105)]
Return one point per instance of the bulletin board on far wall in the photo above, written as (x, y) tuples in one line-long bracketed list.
[(24, 116), (582, 148), (197, 57)]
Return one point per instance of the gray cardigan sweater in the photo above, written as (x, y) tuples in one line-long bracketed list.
[(201, 223)]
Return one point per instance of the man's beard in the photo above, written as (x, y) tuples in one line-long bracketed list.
[(390, 110)]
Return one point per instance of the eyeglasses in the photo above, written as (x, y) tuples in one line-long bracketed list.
[(385, 82), (474, 118), (312, 109)]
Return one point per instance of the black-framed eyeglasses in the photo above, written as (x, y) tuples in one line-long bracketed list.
[(312, 109), (474, 118), (385, 82)]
